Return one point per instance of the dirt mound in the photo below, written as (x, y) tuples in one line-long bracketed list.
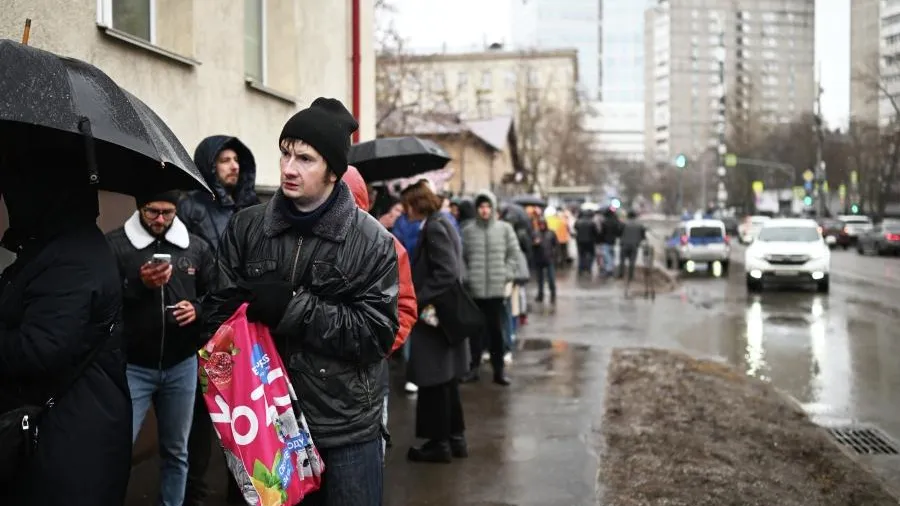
[(681, 431)]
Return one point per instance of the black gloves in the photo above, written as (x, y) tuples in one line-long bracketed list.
[(268, 301)]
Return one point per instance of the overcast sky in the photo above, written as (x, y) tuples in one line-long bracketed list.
[(466, 24)]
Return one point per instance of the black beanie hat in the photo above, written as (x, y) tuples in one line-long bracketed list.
[(172, 197), (326, 125)]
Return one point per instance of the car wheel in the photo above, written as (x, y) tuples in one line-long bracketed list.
[(753, 285), (823, 286)]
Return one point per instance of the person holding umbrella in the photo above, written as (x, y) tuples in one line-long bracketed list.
[(60, 338)]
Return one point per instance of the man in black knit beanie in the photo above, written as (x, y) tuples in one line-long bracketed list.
[(322, 275)]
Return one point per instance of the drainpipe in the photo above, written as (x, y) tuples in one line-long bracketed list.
[(355, 61)]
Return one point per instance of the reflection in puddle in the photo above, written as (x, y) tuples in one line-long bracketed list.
[(755, 356)]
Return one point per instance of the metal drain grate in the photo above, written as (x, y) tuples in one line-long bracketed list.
[(864, 441)]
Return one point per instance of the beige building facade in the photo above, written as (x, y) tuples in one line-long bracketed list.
[(759, 54), (479, 85), (874, 59), (238, 67)]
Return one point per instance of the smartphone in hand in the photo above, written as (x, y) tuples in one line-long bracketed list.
[(161, 258)]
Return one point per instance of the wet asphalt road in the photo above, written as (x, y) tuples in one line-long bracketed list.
[(534, 443)]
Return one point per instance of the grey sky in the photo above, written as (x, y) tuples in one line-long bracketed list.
[(467, 24)]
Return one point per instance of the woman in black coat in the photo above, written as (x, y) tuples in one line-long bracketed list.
[(434, 365), (58, 300)]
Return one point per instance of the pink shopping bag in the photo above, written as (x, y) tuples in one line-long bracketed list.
[(255, 413)]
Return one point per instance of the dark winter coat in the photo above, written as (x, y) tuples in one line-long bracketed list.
[(204, 216), (610, 230), (586, 230), (59, 300), (545, 251), (340, 324), (633, 233), (436, 267), (150, 343)]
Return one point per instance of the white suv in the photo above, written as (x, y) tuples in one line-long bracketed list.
[(788, 251)]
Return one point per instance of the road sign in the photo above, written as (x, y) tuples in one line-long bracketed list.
[(854, 177), (757, 187), (825, 186), (842, 190), (807, 185), (808, 175), (721, 172), (657, 198), (731, 160)]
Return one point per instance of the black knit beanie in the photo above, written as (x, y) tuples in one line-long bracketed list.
[(172, 197), (326, 125)]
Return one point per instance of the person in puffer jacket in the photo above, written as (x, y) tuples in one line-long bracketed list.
[(491, 254)]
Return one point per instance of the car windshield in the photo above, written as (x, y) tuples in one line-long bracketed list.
[(706, 232), (788, 234)]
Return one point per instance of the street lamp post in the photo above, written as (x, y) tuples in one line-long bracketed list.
[(722, 149)]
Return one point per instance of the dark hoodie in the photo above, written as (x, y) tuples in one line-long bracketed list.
[(204, 216)]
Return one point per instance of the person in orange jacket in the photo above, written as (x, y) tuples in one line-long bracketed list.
[(407, 306)]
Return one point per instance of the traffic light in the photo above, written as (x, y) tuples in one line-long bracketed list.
[(854, 208), (807, 200), (681, 161), (615, 203)]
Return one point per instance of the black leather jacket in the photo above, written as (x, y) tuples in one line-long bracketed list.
[(341, 323), (204, 216)]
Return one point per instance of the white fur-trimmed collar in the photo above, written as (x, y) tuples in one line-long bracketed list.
[(140, 238)]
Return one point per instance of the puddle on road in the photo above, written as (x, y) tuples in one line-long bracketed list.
[(814, 348)]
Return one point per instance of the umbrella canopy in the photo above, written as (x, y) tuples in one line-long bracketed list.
[(396, 158), (530, 200), (128, 148), (514, 214)]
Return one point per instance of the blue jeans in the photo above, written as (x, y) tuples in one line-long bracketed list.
[(353, 476), (548, 273), (172, 393), (609, 258)]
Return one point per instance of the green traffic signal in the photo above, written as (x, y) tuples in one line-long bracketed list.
[(807, 200), (854, 209), (681, 161), (615, 203)]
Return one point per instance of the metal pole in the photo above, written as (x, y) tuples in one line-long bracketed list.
[(819, 170), (722, 148)]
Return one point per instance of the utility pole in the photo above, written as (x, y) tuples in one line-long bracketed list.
[(721, 149), (819, 170)]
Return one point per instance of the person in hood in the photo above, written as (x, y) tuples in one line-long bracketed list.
[(229, 169), (162, 326), (407, 310), (61, 308), (322, 275), (586, 237), (463, 209), (491, 254)]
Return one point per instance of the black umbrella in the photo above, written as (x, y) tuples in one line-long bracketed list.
[(514, 214), (396, 157), (128, 148), (530, 200)]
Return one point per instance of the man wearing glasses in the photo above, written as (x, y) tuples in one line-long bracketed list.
[(164, 271)]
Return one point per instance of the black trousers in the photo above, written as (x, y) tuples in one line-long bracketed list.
[(439, 413), (494, 311), (627, 254)]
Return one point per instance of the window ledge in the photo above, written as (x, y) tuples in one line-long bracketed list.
[(265, 90), (147, 46)]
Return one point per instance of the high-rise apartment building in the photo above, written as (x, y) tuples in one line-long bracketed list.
[(608, 35), (712, 63), (874, 59)]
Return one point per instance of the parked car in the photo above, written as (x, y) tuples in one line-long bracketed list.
[(882, 239), (831, 230), (788, 251), (750, 227), (854, 225), (698, 241)]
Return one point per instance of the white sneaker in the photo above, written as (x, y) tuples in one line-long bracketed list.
[(411, 388), (507, 358)]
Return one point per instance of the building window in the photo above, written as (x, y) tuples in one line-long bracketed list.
[(484, 108), (462, 80), (511, 107), (486, 80), (255, 40), (135, 17)]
